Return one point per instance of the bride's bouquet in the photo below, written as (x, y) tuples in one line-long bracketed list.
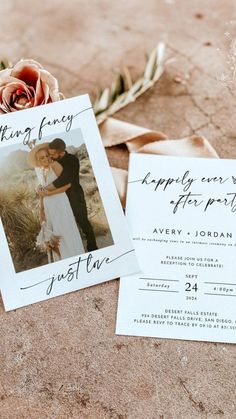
[(48, 241)]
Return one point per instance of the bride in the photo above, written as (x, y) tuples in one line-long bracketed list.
[(59, 233)]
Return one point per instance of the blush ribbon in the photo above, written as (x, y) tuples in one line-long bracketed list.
[(138, 139)]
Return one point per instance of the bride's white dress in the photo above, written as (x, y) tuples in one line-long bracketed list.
[(60, 219)]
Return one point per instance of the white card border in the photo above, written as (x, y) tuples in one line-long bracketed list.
[(11, 283)]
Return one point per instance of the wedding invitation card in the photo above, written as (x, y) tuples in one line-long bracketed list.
[(181, 213), (62, 227)]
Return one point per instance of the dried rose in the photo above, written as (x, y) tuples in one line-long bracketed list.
[(25, 85)]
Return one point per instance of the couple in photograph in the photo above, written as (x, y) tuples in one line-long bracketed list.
[(62, 203)]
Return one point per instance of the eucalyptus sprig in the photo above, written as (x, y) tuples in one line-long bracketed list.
[(123, 91)]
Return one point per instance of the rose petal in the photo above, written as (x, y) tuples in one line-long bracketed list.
[(5, 73), (52, 83), (5, 80), (39, 98), (46, 92), (27, 74), (19, 106), (28, 63), (8, 92), (9, 89)]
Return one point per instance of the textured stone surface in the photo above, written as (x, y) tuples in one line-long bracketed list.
[(60, 359)]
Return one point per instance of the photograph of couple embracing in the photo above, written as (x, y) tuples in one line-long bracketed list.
[(62, 202), (58, 203)]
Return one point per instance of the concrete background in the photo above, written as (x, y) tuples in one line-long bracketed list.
[(60, 359)]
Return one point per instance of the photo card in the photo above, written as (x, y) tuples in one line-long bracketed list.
[(62, 227)]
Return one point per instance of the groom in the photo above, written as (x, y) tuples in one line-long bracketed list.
[(70, 174)]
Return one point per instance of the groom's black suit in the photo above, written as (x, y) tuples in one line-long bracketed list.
[(75, 193)]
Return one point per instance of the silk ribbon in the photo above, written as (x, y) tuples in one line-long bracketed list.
[(138, 139)]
